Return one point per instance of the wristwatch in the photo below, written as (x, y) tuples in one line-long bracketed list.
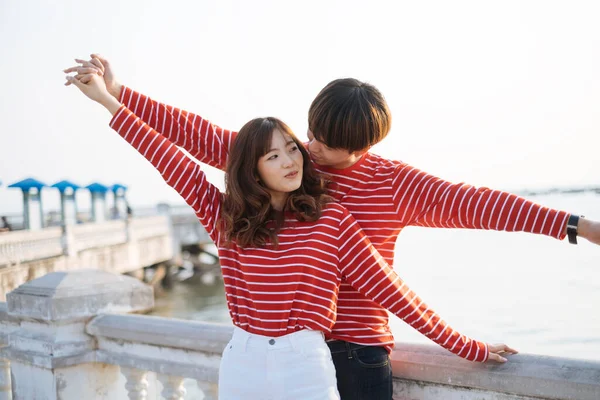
[(572, 225)]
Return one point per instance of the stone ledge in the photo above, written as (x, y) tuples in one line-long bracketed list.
[(159, 331), (523, 374), (414, 390)]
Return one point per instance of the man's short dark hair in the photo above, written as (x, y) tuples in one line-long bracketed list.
[(349, 114)]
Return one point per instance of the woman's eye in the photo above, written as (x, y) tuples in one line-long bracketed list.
[(294, 148), (274, 156)]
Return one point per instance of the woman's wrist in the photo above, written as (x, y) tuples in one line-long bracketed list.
[(111, 104)]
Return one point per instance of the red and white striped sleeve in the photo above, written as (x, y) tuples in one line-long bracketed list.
[(425, 200), (366, 270), (177, 169), (205, 141)]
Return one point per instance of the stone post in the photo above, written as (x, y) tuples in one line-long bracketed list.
[(120, 204), (7, 325), (52, 357), (98, 193), (33, 214), (68, 202)]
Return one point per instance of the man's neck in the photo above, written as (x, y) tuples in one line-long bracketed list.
[(350, 161)]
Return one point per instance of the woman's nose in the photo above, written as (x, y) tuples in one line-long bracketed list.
[(287, 161)]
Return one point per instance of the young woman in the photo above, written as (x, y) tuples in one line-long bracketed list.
[(284, 249)]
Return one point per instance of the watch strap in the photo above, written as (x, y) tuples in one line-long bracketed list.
[(572, 224)]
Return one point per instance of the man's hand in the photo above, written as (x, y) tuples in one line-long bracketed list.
[(100, 66), (589, 230), (497, 349)]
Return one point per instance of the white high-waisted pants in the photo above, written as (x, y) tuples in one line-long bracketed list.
[(294, 366)]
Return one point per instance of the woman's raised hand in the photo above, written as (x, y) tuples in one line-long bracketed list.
[(85, 69), (497, 349), (96, 65), (95, 89)]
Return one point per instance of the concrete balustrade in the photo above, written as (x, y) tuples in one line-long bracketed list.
[(430, 372), (23, 246), (51, 355), (173, 349), (117, 246), (68, 336)]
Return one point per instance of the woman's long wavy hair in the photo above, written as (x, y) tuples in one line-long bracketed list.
[(247, 205)]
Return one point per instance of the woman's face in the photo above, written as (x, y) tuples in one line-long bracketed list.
[(280, 169)]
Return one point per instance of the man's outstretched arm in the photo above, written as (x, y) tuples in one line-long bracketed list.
[(425, 200)]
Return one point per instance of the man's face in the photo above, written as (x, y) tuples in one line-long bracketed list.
[(323, 155)]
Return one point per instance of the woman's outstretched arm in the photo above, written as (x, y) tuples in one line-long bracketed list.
[(366, 270), (205, 141), (178, 170)]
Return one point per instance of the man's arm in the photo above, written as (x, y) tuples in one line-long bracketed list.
[(206, 142), (425, 200)]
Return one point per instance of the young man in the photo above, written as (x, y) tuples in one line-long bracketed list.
[(346, 118)]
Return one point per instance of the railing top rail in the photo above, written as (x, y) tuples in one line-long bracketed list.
[(29, 236), (151, 219), (98, 226), (159, 331), (524, 374)]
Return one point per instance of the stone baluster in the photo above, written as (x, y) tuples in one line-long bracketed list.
[(209, 389), (137, 384), (172, 387), (8, 324)]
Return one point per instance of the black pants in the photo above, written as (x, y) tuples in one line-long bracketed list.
[(363, 372)]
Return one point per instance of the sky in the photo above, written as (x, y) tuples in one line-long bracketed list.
[(503, 94)]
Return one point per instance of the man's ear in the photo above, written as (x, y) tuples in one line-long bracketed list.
[(360, 153)]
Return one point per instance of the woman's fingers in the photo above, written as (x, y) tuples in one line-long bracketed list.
[(501, 348), (496, 357), (81, 77), (89, 64), (103, 60), (83, 70), (84, 78), (85, 63), (72, 81), (97, 63), (497, 349)]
